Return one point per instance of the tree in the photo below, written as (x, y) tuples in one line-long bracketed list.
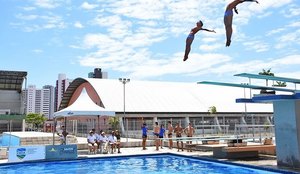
[(36, 120), (212, 110), (266, 73), (114, 122)]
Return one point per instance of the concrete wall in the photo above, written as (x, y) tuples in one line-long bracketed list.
[(287, 125)]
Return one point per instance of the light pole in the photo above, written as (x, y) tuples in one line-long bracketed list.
[(124, 81)]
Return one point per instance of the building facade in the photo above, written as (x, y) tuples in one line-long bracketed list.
[(11, 100), (151, 101), (62, 84), (98, 74), (40, 101)]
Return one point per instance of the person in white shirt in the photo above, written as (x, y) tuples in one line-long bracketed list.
[(104, 140), (97, 137), (112, 141), (100, 141), (91, 139)]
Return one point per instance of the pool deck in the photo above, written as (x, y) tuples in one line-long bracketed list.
[(263, 160)]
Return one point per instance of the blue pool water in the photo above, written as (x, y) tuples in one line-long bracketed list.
[(159, 164)]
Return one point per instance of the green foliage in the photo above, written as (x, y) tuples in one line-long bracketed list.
[(36, 120), (266, 73), (114, 122), (280, 84), (212, 110)]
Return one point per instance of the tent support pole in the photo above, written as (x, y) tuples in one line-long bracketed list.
[(53, 130)]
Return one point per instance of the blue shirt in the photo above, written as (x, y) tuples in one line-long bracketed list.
[(162, 132), (144, 130)]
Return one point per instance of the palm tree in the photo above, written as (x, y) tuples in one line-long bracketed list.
[(266, 73), (280, 84)]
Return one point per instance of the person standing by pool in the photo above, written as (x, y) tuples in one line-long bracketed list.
[(156, 135), (189, 131), (178, 132), (144, 135), (162, 131), (170, 131), (62, 133)]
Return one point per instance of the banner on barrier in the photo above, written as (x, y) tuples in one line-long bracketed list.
[(26, 153), (61, 151)]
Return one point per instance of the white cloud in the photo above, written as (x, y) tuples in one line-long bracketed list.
[(88, 6), (49, 4), (275, 31), (210, 47), (27, 17), (132, 27), (146, 9), (288, 39), (28, 8), (294, 24), (40, 22), (267, 4), (252, 66), (38, 51), (77, 24), (257, 46), (292, 12)]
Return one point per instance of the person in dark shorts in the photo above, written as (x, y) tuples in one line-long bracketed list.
[(170, 131), (118, 143), (162, 131), (178, 132), (144, 135), (156, 134)]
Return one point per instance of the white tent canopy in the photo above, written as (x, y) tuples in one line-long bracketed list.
[(83, 106)]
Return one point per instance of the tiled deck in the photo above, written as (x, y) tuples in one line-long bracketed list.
[(263, 160)]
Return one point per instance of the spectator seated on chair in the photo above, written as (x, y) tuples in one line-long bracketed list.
[(118, 142), (91, 139), (97, 137), (104, 143), (99, 141), (112, 141)]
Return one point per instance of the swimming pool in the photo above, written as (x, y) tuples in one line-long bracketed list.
[(154, 164)]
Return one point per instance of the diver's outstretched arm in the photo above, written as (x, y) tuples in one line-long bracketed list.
[(213, 31), (250, 1)]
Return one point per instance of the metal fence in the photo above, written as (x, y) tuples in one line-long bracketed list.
[(204, 126)]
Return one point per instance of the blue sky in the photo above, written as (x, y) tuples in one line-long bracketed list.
[(145, 39)]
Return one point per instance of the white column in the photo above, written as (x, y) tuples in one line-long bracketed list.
[(122, 125), (187, 121), (154, 119), (23, 125)]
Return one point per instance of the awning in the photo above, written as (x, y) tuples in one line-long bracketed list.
[(83, 106)]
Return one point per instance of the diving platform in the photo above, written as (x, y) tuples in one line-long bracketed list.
[(286, 114)]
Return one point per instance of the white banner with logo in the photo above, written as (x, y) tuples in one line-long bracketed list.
[(26, 153)]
